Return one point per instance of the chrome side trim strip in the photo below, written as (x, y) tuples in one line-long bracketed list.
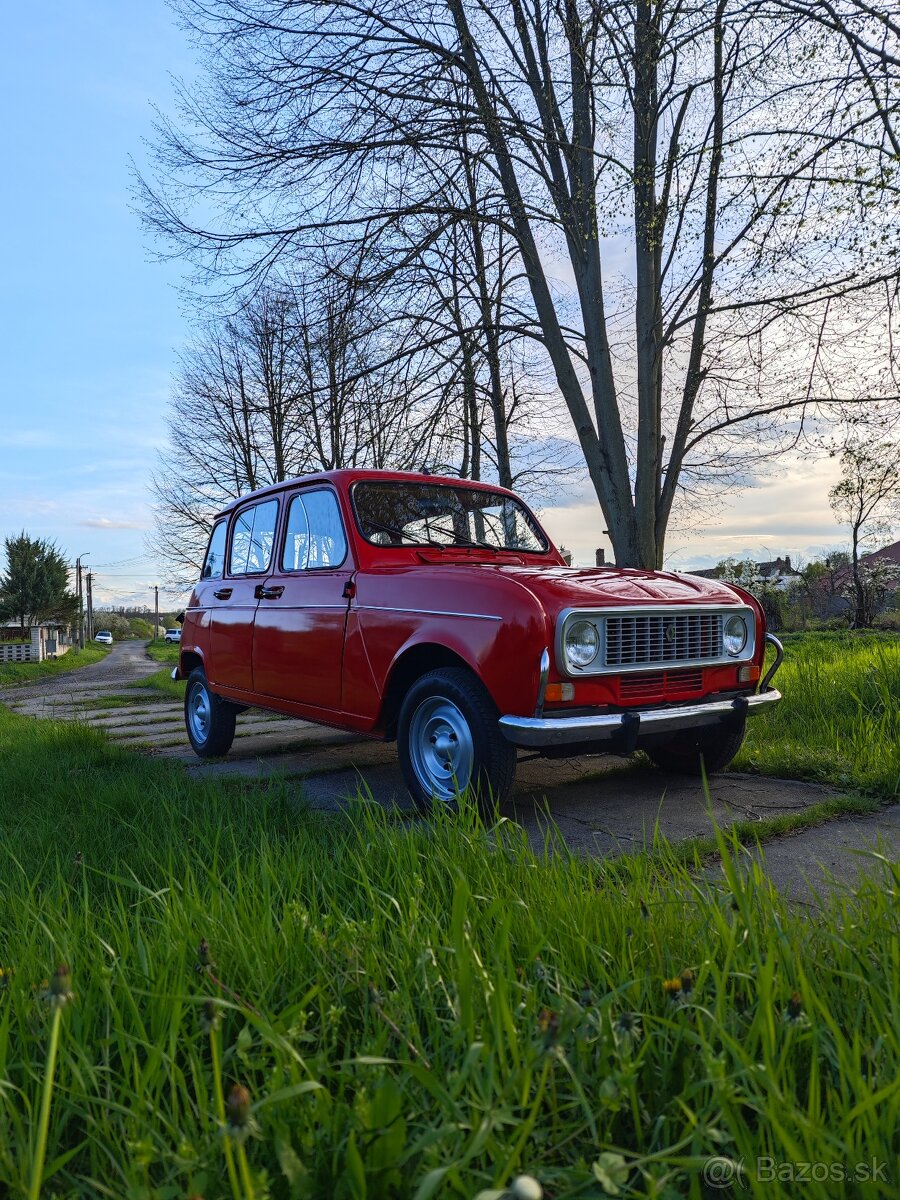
[(605, 727), (277, 608), (426, 612)]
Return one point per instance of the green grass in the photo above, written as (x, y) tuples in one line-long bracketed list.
[(162, 681), (102, 702), (13, 673), (163, 652), (417, 1008), (839, 722)]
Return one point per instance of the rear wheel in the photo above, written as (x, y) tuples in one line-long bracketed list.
[(209, 719), (449, 740), (714, 746)]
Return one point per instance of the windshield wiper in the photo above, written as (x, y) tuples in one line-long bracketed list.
[(410, 541), (461, 541), (428, 541)]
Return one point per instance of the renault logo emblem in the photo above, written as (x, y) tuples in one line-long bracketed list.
[(670, 632)]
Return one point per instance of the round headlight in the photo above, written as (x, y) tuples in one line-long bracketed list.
[(582, 643), (734, 635)]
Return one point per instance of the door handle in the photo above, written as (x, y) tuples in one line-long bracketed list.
[(222, 593), (267, 593)]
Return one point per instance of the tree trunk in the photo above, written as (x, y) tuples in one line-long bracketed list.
[(648, 313)]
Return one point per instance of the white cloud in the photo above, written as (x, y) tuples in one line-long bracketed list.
[(107, 523), (786, 513)]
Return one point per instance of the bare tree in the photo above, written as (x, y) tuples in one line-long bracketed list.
[(304, 377), (867, 498), (732, 168), (469, 315)]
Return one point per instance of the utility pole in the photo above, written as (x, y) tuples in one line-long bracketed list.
[(156, 610), (80, 603), (79, 592), (90, 608)]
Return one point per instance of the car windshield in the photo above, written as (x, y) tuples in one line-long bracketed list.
[(439, 514)]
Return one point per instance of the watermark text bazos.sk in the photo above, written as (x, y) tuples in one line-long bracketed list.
[(723, 1172)]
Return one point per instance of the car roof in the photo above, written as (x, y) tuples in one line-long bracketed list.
[(346, 477)]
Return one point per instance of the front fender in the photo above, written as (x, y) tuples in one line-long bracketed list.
[(494, 626)]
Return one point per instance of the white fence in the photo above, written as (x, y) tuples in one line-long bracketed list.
[(44, 643)]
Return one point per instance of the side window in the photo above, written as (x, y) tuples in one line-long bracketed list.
[(251, 542), (214, 563), (315, 538)]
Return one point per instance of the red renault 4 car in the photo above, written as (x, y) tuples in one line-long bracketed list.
[(437, 612)]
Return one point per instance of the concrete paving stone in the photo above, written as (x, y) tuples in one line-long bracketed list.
[(597, 805)]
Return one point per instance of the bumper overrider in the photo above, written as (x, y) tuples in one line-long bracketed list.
[(626, 730)]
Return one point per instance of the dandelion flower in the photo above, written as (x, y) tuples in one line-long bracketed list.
[(59, 992), (794, 1014), (209, 1016), (627, 1030), (239, 1122)]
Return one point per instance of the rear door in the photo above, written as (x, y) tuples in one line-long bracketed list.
[(298, 637), (233, 603)]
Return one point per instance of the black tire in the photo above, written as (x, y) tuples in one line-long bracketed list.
[(714, 747), (448, 737), (208, 718)]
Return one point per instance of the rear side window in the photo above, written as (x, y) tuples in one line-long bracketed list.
[(253, 537), (315, 538), (214, 563)]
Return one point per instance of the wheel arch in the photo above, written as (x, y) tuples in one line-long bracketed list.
[(188, 661), (415, 661)]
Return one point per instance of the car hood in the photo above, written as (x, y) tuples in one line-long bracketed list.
[(611, 587)]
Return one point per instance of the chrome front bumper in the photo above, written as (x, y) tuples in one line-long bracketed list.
[(613, 727), (627, 729)]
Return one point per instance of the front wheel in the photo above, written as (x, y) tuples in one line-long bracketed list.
[(209, 719), (449, 740), (713, 747)]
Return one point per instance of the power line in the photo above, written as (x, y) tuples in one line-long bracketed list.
[(126, 562)]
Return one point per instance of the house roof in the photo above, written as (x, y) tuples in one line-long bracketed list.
[(892, 553), (775, 569)]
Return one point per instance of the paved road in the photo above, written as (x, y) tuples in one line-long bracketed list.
[(600, 805)]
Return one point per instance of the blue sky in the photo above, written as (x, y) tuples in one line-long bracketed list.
[(91, 324)]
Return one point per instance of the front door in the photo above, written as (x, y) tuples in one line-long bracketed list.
[(233, 602), (298, 635)]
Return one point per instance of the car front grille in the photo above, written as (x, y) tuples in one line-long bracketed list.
[(658, 639), (661, 685)]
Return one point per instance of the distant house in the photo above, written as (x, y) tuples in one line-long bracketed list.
[(889, 553), (779, 573), (843, 578), (49, 639)]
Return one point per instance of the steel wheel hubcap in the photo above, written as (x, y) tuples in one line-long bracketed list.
[(199, 712), (441, 748)]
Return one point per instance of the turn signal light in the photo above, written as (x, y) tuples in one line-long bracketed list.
[(560, 691), (748, 674)]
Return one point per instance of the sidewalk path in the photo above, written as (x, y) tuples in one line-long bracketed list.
[(600, 805)]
